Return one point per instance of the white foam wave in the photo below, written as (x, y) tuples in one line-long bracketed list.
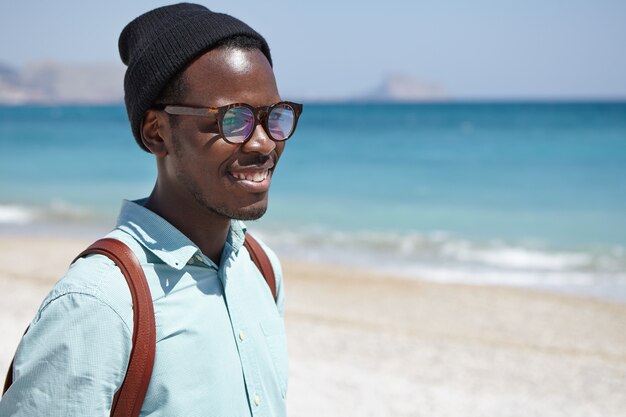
[(442, 256), (60, 209), (505, 256), (444, 247), (13, 214), (55, 210)]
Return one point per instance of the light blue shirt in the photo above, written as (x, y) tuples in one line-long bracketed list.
[(221, 347)]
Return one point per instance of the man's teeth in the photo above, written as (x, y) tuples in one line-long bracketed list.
[(251, 176)]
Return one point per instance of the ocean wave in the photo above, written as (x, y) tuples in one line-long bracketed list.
[(444, 246), (55, 210), (506, 256), (13, 214), (62, 210), (442, 256)]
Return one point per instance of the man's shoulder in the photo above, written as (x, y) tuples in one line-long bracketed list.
[(95, 276)]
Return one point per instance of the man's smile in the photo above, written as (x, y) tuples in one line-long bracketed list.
[(255, 178)]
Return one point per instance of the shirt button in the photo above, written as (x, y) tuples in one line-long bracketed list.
[(190, 261), (257, 400), (242, 335), (199, 258)]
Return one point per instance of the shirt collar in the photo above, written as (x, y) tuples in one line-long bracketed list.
[(165, 241)]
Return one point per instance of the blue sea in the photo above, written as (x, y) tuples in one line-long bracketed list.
[(514, 194)]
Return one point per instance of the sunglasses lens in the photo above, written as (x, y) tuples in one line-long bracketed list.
[(280, 122), (238, 124)]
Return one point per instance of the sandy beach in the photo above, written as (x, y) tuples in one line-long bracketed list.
[(370, 345)]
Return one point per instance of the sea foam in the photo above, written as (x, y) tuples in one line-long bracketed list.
[(444, 257), (14, 214)]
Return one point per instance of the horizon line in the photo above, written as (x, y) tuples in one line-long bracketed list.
[(348, 101)]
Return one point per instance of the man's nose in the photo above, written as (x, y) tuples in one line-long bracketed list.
[(259, 142)]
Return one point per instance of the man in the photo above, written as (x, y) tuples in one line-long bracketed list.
[(221, 348)]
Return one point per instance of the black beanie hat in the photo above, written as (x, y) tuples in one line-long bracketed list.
[(159, 44)]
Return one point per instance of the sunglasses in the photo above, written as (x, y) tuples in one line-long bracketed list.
[(237, 121)]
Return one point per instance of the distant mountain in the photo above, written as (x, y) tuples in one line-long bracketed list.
[(8, 74), (56, 83), (404, 88)]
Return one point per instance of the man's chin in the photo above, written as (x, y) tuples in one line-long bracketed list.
[(250, 213)]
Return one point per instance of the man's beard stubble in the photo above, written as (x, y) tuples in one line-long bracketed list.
[(245, 213)]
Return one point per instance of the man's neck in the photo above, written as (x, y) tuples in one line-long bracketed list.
[(206, 229)]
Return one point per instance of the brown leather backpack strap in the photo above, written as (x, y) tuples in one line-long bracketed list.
[(260, 259), (129, 398)]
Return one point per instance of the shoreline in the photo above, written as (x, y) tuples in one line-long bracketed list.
[(587, 284), (84, 235)]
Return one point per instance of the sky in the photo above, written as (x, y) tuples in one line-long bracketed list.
[(479, 49)]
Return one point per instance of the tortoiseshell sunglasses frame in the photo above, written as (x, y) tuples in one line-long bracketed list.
[(260, 115)]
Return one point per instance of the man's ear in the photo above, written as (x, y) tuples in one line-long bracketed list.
[(154, 130)]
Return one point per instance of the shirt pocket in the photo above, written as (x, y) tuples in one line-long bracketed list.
[(276, 339)]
